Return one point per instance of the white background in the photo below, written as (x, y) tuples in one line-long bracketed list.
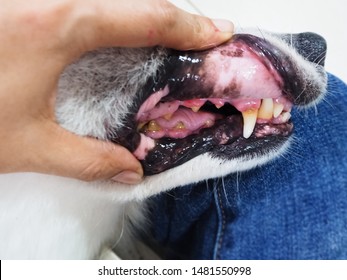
[(328, 18)]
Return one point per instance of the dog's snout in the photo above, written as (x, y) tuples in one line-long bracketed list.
[(310, 45)]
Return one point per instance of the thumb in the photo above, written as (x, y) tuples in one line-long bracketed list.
[(148, 23), (188, 31), (63, 153)]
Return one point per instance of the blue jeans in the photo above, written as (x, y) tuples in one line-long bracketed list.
[(295, 207)]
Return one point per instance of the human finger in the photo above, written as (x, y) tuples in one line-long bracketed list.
[(141, 23), (57, 151)]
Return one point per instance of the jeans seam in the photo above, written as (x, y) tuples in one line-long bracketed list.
[(221, 223)]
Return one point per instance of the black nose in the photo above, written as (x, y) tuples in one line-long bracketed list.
[(311, 46)]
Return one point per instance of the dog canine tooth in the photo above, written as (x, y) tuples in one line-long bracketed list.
[(266, 109), (277, 109), (249, 120)]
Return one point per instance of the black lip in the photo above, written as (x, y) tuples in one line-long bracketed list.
[(224, 139), (174, 153)]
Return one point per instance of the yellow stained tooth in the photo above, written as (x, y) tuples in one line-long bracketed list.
[(168, 117), (266, 109), (180, 125), (218, 106), (249, 121), (153, 126), (195, 109), (278, 108)]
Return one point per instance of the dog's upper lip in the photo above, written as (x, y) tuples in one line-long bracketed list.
[(246, 67), (275, 60)]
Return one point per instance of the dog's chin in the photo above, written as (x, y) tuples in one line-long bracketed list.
[(200, 168), (226, 109)]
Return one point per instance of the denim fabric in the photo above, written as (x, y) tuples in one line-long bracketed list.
[(295, 207)]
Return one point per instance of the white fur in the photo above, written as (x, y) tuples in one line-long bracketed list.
[(49, 217)]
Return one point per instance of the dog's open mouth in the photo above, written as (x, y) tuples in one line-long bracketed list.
[(179, 119), (229, 101)]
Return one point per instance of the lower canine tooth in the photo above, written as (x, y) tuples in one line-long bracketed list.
[(278, 108), (266, 109), (249, 120)]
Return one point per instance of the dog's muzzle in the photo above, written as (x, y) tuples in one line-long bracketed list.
[(231, 101)]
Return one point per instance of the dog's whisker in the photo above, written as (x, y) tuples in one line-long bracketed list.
[(322, 58), (291, 39), (315, 107), (300, 94), (207, 185), (307, 57), (121, 234), (170, 194), (238, 179), (225, 192), (262, 33), (293, 154), (333, 106), (195, 7)]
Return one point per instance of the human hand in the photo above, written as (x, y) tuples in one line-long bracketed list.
[(39, 38)]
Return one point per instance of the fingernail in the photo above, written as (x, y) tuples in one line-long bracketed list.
[(128, 177), (224, 25)]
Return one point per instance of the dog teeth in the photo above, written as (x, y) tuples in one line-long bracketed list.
[(209, 123), (195, 108), (285, 117), (218, 103), (168, 116), (180, 125), (153, 126), (266, 109), (263, 111), (249, 120), (277, 109)]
